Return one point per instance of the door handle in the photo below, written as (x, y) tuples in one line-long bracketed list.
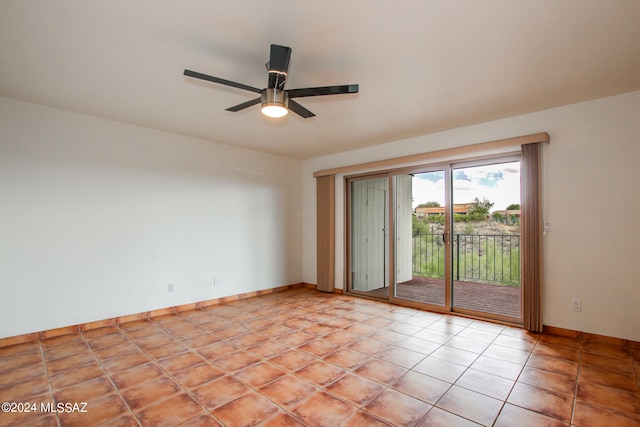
[(445, 237)]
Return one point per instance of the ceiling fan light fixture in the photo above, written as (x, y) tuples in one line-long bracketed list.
[(274, 102), (273, 110)]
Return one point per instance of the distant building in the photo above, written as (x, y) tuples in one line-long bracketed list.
[(458, 208)]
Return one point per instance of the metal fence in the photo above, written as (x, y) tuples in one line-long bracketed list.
[(484, 258)]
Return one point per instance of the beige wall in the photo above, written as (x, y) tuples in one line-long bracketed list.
[(591, 253), (98, 217)]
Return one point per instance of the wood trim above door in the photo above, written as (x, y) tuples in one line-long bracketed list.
[(446, 154)]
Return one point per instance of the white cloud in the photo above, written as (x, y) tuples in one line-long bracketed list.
[(500, 184), (425, 190)]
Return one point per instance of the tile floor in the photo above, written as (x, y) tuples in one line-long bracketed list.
[(302, 357)]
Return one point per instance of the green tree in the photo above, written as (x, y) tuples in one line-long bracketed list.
[(419, 226), (480, 208), (429, 205), (460, 218), (513, 207), (436, 219)]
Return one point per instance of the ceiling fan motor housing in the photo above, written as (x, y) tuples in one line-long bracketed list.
[(273, 96)]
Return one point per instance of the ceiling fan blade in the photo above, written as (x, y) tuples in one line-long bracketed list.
[(279, 58), (218, 80), (244, 105), (300, 110), (324, 90)]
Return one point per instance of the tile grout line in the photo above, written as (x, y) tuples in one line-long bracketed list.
[(315, 309), (504, 403), (492, 342), (441, 345), (106, 374), (428, 355), (232, 373), (384, 386), (466, 369), (46, 373), (323, 389), (577, 383), (352, 371), (155, 362)]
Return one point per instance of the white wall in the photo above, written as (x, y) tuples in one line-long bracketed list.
[(590, 196), (98, 217)]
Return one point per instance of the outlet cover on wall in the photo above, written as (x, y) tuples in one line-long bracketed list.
[(576, 304), (171, 288)]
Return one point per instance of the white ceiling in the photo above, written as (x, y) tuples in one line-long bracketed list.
[(422, 65)]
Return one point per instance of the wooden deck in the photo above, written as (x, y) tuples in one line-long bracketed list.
[(482, 297)]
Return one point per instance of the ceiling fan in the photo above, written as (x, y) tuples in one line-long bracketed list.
[(275, 99)]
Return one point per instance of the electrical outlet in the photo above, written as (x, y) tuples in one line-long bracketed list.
[(576, 305), (171, 288)]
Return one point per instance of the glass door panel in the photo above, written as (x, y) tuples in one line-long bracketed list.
[(486, 239), (420, 234), (369, 212), (446, 239)]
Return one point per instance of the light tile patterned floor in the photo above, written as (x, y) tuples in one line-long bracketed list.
[(308, 358)]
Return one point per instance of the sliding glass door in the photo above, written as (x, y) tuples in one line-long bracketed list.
[(421, 238), (486, 239), (445, 238)]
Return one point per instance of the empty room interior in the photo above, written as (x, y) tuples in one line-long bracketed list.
[(320, 213)]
